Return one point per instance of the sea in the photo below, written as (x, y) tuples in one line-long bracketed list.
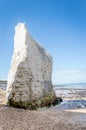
[(67, 90), (72, 86)]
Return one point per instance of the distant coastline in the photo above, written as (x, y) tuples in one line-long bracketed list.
[(3, 84), (3, 81)]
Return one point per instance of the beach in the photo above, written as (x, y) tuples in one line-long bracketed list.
[(60, 117), (19, 119)]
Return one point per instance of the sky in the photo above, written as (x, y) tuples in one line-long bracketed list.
[(59, 25)]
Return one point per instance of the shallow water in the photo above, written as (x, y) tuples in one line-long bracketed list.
[(71, 104)]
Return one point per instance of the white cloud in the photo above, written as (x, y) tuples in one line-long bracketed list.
[(69, 76)]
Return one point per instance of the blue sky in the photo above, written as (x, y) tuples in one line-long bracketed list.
[(59, 25)]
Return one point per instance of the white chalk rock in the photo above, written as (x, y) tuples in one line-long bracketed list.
[(29, 78)]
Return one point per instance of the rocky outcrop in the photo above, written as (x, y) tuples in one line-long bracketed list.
[(29, 80)]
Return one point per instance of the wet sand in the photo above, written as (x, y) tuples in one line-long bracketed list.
[(71, 93)]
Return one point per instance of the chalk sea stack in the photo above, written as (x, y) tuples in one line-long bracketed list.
[(29, 79)]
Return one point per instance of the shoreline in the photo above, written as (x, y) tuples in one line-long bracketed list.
[(60, 117), (71, 93)]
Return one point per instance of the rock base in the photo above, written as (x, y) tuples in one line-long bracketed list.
[(47, 101)]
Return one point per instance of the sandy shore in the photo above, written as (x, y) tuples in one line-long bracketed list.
[(19, 119), (43, 119)]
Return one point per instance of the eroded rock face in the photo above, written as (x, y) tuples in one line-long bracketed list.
[(29, 79)]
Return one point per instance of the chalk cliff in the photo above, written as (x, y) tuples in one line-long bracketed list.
[(29, 79)]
